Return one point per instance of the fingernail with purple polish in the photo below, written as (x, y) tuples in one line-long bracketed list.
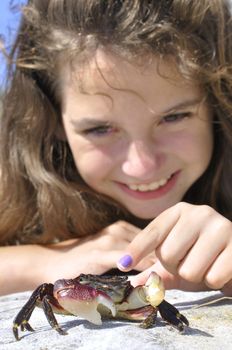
[(125, 261)]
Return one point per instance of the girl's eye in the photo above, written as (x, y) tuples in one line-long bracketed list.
[(176, 117), (99, 130)]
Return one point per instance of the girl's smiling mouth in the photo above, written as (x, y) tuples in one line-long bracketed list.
[(149, 187), (152, 190)]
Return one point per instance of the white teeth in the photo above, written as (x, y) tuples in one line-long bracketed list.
[(133, 187), (149, 187)]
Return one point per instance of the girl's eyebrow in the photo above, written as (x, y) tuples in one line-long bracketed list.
[(87, 122), (184, 104)]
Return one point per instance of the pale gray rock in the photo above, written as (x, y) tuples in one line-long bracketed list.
[(210, 328)]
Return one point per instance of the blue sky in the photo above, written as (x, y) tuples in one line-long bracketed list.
[(8, 24)]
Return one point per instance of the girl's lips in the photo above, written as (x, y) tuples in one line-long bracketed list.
[(151, 194)]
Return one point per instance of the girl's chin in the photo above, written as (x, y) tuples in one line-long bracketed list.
[(150, 211), (146, 215)]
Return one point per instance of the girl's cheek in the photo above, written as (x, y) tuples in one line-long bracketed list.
[(93, 165), (92, 157), (186, 144)]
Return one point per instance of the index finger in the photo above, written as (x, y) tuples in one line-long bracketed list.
[(149, 238)]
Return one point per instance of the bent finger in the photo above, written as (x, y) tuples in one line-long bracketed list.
[(220, 273), (149, 239)]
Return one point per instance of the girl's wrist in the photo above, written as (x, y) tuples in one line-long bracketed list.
[(22, 268)]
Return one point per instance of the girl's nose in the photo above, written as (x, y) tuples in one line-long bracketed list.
[(141, 160)]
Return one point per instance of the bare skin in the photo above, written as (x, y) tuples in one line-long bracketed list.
[(193, 245), (106, 248), (65, 259)]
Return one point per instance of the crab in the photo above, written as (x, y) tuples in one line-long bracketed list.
[(92, 296)]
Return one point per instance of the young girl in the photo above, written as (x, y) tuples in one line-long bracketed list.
[(116, 143)]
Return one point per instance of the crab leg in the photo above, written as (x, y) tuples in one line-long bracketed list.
[(170, 314), (22, 318), (150, 320), (46, 305)]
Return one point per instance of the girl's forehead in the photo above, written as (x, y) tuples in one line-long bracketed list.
[(107, 71), (108, 84)]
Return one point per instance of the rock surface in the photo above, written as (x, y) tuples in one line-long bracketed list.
[(210, 328)]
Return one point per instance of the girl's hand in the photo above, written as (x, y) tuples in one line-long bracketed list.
[(194, 247), (92, 254), (24, 267)]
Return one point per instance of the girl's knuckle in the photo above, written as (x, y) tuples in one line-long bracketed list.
[(167, 256), (181, 205), (206, 210), (189, 275), (107, 241), (213, 281)]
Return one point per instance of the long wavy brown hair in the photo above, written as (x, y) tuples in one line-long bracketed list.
[(42, 196)]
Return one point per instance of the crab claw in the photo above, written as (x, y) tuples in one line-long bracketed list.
[(82, 300), (172, 315), (154, 289)]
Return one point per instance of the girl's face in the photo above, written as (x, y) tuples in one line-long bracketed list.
[(141, 136)]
